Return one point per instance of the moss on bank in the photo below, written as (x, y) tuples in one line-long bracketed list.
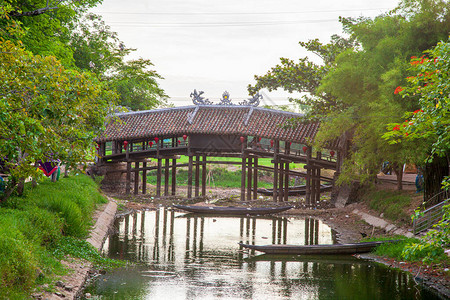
[(40, 227)]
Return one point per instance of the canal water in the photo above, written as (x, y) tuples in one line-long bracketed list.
[(188, 256)]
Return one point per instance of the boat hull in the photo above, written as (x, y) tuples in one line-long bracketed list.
[(227, 210), (316, 249)]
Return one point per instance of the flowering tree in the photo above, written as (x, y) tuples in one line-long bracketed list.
[(430, 123)]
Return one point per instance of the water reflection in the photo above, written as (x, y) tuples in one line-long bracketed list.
[(198, 257)]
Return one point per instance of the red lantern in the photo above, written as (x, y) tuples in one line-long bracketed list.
[(125, 144), (242, 139), (271, 143), (259, 140), (184, 137), (151, 144), (305, 149), (156, 139), (179, 142), (332, 153)]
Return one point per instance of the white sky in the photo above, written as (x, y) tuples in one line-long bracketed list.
[(215, 46)]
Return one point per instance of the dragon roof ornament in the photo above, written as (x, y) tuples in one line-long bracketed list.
[(198, 99)]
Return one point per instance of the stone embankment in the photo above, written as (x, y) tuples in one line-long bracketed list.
[(71, 285)]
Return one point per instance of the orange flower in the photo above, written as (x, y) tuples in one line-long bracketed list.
[(398, 90)]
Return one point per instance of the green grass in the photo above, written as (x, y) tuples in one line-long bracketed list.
[(217, 177), (37, 229), (410, 249), (267, 162), (391, 203)]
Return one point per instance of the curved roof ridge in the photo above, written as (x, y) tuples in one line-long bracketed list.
[(208, 107)]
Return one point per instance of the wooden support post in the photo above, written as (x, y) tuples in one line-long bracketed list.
[(281, 182), (174, 176), (308, 176), (243, 169), (204, 176), (189, 191), (249, 179), (144, 178), (158, 177), (317, 200), (275, 170), (166, 177), (128, 180), (286, 182), (197, 175), (287, 150), (255, 178), (136, 178)]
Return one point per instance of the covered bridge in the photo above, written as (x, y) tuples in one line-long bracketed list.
[(204, 131)]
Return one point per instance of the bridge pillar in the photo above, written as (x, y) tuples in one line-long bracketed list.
[(115, 177)]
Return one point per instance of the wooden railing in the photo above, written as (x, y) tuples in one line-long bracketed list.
[(430, 217)]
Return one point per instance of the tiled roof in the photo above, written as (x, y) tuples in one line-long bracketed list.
[(208, 119)]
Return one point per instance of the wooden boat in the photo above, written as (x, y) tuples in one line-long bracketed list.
[(295, 190), (316, 249), (232, 210)]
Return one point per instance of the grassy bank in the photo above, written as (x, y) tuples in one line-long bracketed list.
[(396, 206), (38, 229)]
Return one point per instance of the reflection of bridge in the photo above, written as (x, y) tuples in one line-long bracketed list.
[(201, 132), (162, 242), (143, 245)]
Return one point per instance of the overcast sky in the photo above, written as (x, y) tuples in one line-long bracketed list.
[(215, 46)]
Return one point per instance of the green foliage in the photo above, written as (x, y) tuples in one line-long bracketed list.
[(305, 76), (394, 250), (99, 50), (430, 83), (365, 78), (46, 110), (430, 248), (391, 203)]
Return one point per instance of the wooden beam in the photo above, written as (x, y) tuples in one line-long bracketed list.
[(243, 167), (128, 179), (281, 182), (189, 191), (275, 170), (249, 178), (287, 150), (308, 177), (144, 178), (197, 175), (174, 176), (136, 178), (255, 178), (166, 177), (317, 199), (204, 176), (158, 178)]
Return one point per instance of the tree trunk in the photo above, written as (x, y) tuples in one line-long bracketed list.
[(433, 174), (399, 173)]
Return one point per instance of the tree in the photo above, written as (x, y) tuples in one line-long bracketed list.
[(305, 76), (46, 111), (364, 79), (99, 50), (431, 122)]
